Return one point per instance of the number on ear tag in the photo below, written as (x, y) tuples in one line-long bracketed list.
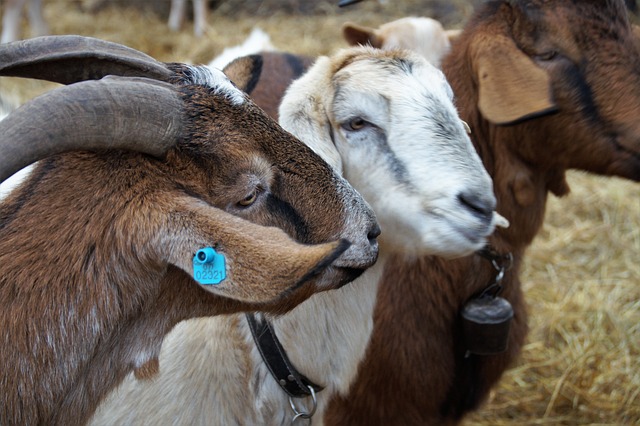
[(209, 266)]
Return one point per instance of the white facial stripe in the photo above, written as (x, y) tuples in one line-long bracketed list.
[(219, 82)]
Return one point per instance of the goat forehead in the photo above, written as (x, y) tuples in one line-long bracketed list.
[(394, 78)]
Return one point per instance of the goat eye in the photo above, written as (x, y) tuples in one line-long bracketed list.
[(249, 199), (356, 124), (547, 56)]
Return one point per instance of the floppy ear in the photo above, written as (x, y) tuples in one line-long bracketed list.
[(261, 263), (303, 113), (511, 86), (356, 34), (245, 72), (264, 262)]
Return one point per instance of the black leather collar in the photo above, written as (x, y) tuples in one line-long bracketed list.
[(274, 356)]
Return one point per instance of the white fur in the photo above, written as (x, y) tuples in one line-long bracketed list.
[(210, 370), (14, 181), (6, 106), (217, 80), (258, 41)]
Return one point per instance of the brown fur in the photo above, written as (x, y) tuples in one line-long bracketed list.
[(415, 372), (94, 249)]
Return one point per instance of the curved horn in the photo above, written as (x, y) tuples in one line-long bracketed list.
[(114, 113), (70, 59)]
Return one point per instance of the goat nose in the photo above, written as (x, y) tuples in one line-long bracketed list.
[(374, 232), (479, 205)]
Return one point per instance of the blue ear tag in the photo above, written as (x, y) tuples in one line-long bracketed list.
[(209, 266)]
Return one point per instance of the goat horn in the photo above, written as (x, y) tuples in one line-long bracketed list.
[(136, 114), (70, 59)]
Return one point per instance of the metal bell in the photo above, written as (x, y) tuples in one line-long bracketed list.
[(486, 321)]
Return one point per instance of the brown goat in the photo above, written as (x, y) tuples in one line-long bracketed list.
[(138, 171), (546, 86)]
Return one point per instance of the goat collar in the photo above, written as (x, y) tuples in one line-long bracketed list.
[(274, 356), (501, 262), (494, 256)]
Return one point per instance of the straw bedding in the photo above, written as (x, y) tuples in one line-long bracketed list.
[(581, 364)]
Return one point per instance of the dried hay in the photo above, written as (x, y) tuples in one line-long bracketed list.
[(581, 364), (582, 274)]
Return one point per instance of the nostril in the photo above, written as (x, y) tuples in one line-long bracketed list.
[(374, 232), (481, 206)]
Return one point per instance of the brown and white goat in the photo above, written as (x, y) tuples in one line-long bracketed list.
[(387, 121), (136, 172), (546, 86)]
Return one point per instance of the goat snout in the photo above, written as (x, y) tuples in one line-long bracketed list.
[(364, 245), (361, 254)]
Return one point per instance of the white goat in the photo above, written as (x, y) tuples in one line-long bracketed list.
[(425, 36), (387, 121), (12, 17)]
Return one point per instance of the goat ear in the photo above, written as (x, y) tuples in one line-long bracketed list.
[(511, 87), (303, 113), (264, 263), (245, 72), (356, 34), (261, 263)]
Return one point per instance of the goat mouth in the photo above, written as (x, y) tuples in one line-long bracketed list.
[(475, 234), (628, 163), (335, 272), (348, 275), (474, 231), (473, 237), (336, 276)]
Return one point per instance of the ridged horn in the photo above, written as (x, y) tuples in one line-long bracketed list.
[(69, 59), (135, 114)]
